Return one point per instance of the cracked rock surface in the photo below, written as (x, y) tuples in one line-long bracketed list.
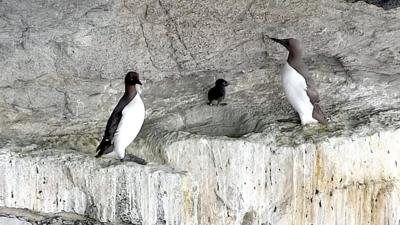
[(12, 216), (385, 4), (61, 71), (108, 191)]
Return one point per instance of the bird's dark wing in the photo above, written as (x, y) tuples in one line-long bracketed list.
[(105, 145), (311, 91), (317, 114), (301, 68), (216, 93), (211, 94)]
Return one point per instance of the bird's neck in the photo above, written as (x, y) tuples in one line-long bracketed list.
[(130, 90), (294, 57)]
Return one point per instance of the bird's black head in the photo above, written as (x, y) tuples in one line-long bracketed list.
[(132, 78), (291, 44), (221, 83)]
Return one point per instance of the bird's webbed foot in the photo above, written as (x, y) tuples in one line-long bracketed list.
[(135, 159)]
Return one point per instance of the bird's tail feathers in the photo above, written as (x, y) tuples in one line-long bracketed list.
[(104, 147), (319, 115)]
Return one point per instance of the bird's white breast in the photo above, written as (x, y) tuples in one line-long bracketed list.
[(129, 125), (295, 88)]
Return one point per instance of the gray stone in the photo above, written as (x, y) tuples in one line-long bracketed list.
[(107, 191), (386, 4), (261, 179), (28, 217), (61, 70), (12, 221), (78, 52)]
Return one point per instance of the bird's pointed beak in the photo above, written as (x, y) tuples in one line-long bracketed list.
[(284, 42), (139, 82)]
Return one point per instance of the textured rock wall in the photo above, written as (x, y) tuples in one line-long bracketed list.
[(61, 69), (77, 53), (12, 216), (386, 4), (53, 182), (352, 180)]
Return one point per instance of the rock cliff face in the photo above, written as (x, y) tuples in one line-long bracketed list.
[(385, 4), (250, 162)]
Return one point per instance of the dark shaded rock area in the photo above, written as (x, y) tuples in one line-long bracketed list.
[(385, 4)]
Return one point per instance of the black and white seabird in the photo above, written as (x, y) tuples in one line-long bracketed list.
[(299, 87), (217, 93), (125, 121)]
